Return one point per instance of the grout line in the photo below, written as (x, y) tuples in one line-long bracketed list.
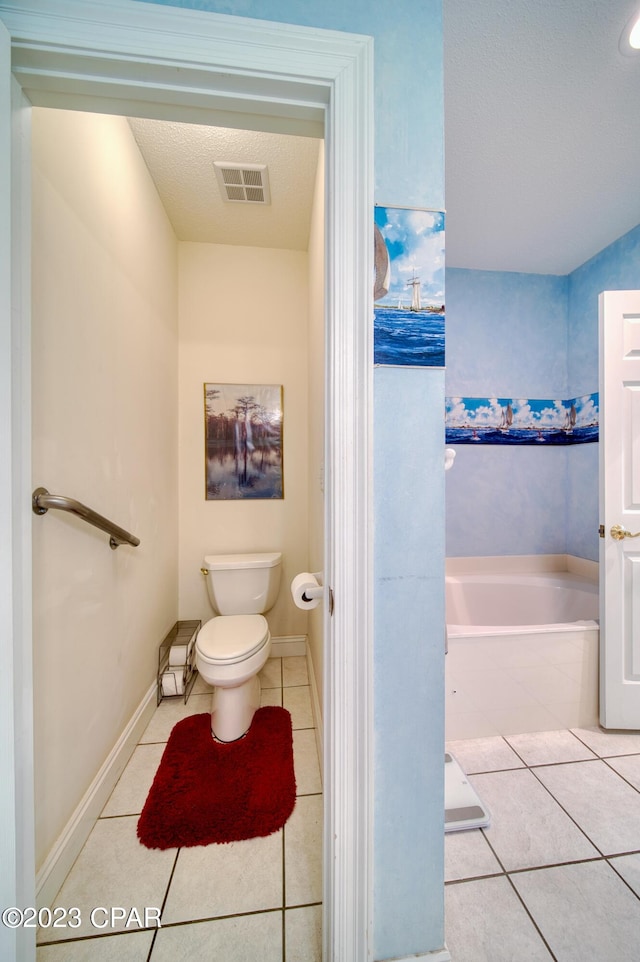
[(533, 921), (620, 876), (568, 814), (615, 772)]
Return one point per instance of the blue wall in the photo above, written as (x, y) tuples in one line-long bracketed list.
[(528, 335), (409, 483), (506, 337)]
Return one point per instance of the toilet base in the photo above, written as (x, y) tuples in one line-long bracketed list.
[(232, 709)]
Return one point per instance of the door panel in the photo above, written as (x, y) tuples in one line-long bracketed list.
[(620, 509)]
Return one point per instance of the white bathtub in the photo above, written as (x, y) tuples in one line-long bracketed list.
[(522, 651)]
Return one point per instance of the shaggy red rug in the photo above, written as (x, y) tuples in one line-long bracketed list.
[(205, 791)]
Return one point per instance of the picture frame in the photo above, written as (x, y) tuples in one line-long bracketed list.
[(243, 430), (408, 295)]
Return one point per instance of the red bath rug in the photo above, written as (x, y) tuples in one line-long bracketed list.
[(205, 791)]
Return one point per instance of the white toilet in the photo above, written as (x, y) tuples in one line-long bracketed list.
[(232, 648)]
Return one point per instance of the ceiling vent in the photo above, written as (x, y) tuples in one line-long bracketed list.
[(243, 183)]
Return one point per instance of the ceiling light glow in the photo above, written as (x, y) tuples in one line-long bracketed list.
[(630, 38)]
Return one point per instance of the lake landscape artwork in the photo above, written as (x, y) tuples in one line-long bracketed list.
[(521, 420), (243, 441), (409, 305)]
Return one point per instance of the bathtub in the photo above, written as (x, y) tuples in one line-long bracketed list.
[(522, 650)]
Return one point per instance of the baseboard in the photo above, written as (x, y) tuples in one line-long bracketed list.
[(317, 711), (58, 863), (440, 955), (287, 646)]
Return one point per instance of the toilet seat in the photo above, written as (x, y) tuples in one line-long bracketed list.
[(229, 639)]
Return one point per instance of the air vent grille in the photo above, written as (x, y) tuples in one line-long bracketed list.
[(243, 183)]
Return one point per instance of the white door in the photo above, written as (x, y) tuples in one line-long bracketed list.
[(620, 509)]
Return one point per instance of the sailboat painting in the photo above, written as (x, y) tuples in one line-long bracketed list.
[(521, 420), (408, 294), (243, 441)]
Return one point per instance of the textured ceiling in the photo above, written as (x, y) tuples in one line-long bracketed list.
[(542, 132), (180, 159)]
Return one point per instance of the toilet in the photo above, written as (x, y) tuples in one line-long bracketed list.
[(232, 647)]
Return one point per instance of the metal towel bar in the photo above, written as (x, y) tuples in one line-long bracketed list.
[(41, 501)]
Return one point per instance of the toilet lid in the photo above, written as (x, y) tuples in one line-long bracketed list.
[(232, 638)]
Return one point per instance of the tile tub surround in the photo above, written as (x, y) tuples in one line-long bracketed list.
[(260, 898), (556, 876), (521, 679)]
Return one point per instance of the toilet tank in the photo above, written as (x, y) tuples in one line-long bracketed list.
[(243, 584)]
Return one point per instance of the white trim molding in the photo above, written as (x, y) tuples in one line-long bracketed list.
[(134, 58)]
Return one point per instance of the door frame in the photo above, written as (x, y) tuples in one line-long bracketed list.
[(130, 57)]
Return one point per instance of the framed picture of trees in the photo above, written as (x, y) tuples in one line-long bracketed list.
[(243, 441)]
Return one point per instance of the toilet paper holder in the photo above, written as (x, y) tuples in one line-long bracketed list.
[(310, 594), (314, 590)]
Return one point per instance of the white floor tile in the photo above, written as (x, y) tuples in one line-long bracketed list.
[(485, 922), (303, 852), (169, 712), (240, 939), (629, 868), (303, 934), (585, 912), (629, 767), (298, 702), (306, 764), (527, 827), (484, 755), (225, 900), (130, 794), (131, 947), (112, 870), (271, 696), (294, 671), (605, 743), (200, 686), (271, 674), (603, 805), (214, 880), (546, 748), (467, 855)]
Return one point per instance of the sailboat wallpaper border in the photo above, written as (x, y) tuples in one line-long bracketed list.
[(521, 420), (409, 309)]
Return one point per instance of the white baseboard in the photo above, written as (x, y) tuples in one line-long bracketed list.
[(68, 846), (317, 711), (287, 646), (440, 955)]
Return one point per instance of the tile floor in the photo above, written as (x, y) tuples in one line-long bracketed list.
[(557, 873), (250, 900)]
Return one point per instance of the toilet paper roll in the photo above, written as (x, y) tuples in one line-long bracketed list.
[(173, 682), (179, 654), (306, 591)]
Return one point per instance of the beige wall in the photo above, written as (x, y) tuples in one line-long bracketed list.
[(105, 433), (243, 320)]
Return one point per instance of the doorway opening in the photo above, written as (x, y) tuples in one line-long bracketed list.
[(113, 262)]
